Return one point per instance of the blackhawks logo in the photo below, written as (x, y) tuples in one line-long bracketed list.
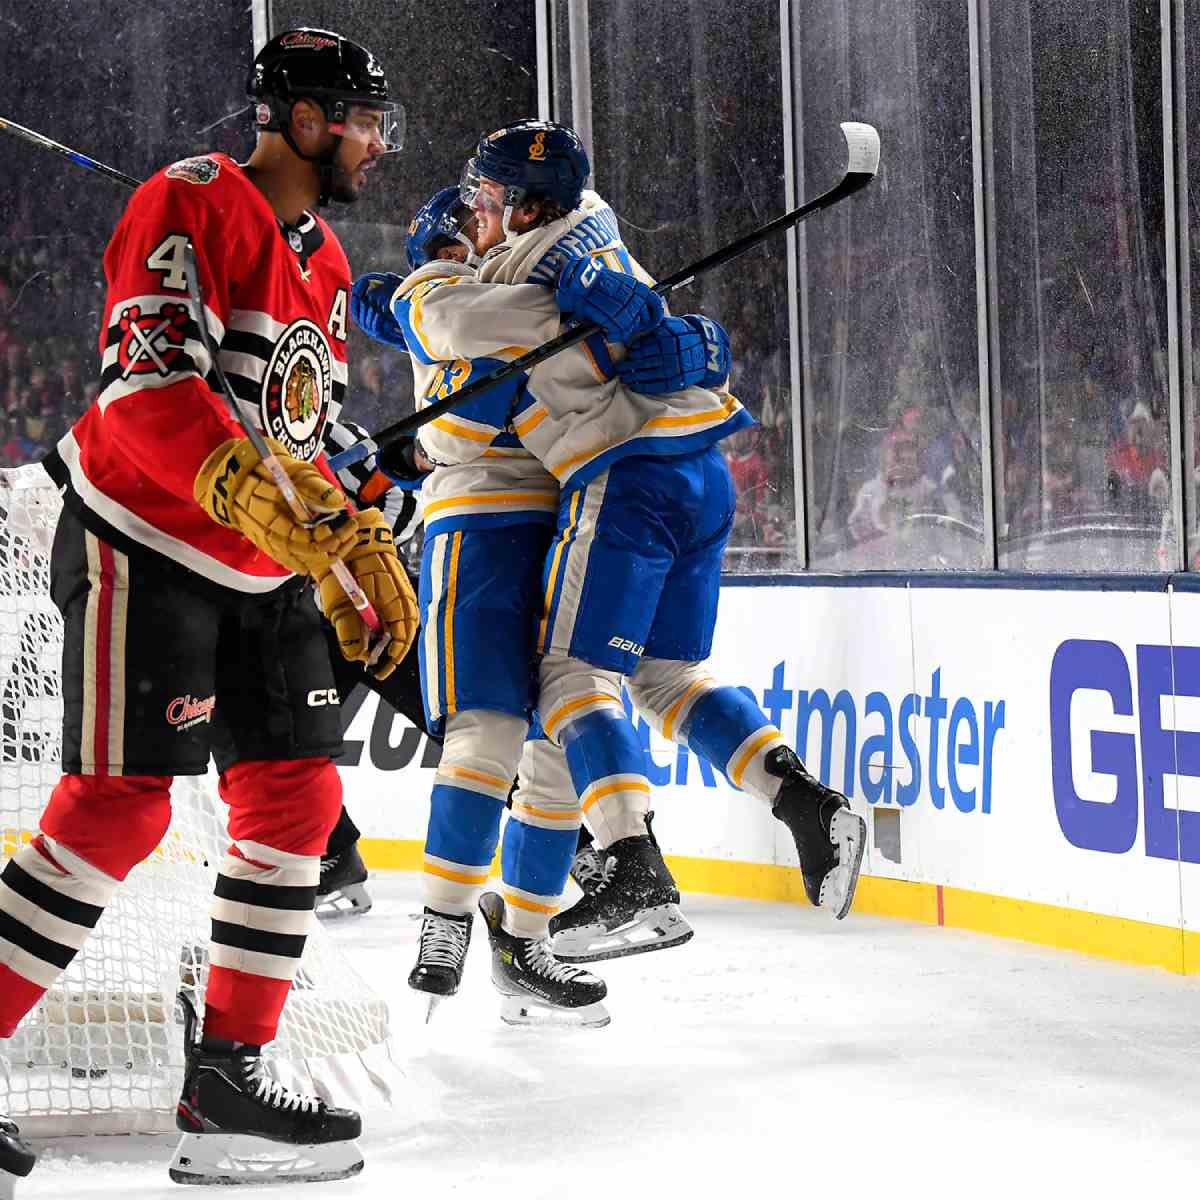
[(194, 170), (151, 341), (298, 389)]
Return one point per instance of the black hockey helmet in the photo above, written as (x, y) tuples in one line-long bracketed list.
[(320, 65)]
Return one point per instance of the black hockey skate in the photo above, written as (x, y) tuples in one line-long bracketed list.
[(341, 891), (443, 953), (241, 1126), (16, 1158), (632, 910), (537, 988), (829, 838)]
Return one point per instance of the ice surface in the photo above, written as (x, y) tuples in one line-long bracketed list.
[(777, 1050)]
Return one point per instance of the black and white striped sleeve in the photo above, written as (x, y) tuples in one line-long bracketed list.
[(366, 485)]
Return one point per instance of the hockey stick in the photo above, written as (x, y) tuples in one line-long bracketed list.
[(279, 476), (862, 143), (82, 160)]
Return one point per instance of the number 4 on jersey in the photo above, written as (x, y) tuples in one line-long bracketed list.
[(167, 259)]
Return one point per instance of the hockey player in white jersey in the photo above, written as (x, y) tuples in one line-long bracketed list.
[(631, 582), (488, 525)]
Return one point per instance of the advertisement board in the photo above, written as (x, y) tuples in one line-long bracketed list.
[(1031, 745)]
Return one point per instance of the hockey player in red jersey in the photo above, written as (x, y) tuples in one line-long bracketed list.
[(187, 631)]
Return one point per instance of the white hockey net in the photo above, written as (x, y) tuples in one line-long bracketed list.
[(102, 1052)]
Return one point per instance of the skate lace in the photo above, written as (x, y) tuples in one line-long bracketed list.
[(607, 874), (443, 942), (592, 867), (271, 1091), (539, 958)]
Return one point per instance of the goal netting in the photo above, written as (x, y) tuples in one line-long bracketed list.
[(103, 1051)]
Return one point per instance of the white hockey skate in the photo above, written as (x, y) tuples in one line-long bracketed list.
[(651, 929), (848, 832), (536, 988), (342, 890), (242, 1158)]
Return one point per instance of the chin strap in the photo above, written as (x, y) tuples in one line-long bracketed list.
[(509, 235)]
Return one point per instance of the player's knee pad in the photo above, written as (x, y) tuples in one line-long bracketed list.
[(545, 794), (110, 822), (539, 839), (666, 692), (481, 750), (290, 805), (571, 689), (479, 760), (582, 708)]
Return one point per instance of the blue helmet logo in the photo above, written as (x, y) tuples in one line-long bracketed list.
[(533, 159)]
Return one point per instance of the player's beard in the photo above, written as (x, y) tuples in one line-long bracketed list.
[(342, 188)]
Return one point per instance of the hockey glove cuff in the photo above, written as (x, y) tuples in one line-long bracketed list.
[(622, 305), (371, 307), (682, 352), (381, 575), (718, 358), (237, 491)]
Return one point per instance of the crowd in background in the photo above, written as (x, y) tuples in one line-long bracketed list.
[(1092, 454)]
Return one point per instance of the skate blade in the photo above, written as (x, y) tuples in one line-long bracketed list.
[(233, 1158), (351, 901), (847, 831), (657, 928), (529, 1010)]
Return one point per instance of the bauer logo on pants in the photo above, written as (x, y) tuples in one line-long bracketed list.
[(298, 389)]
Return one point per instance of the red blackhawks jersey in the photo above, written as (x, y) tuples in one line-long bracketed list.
[(276, 302)]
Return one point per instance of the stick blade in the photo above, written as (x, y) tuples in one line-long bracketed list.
[(862, 144)]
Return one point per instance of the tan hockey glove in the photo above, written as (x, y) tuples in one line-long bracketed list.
[(381, 575), (237, 491)]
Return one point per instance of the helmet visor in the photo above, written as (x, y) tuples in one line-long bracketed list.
[(381, 123), (478, 191)]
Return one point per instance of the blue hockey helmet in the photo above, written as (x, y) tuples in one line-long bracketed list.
[(442, 216), (533, 160)]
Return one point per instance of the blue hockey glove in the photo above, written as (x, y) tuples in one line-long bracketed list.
[(620, 304), (679, 353), (370, 306)]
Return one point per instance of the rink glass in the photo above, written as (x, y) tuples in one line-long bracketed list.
[(889, 343), (987, 358), (1082, 419), (687, 145)]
